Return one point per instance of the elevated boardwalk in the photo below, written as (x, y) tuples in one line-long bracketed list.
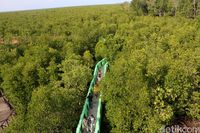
[(93, 111), (93, 106), (95, 102), (6, 111)]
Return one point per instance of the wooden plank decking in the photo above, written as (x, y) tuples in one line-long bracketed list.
[(6, 111)]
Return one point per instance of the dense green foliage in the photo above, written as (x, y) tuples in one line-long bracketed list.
[(46, 63), (156, 77), (187, 8), (47, 57)]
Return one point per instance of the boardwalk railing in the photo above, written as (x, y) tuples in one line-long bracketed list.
[(103, 64)]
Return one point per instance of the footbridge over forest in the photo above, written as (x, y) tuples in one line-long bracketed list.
[(93, 107), (6, 111)]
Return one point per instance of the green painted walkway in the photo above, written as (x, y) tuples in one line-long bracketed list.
[(96, 102)]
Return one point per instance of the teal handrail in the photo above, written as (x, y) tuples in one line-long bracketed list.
[(103, 64)]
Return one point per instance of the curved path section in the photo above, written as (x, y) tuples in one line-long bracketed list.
[(90, 119)]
